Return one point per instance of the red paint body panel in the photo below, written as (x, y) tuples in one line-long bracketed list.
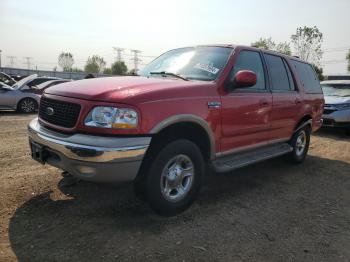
[(244, 118)]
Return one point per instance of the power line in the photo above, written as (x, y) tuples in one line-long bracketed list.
[(12, 60), (27, 61)]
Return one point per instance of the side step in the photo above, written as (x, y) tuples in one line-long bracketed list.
[(246, 158)]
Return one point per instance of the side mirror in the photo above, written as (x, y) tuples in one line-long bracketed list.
[(244, 78)]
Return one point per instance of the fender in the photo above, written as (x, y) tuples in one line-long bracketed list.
[(188, 118)]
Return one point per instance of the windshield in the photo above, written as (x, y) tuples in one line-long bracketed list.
[(23, 81), (336, 89), (193, 63)]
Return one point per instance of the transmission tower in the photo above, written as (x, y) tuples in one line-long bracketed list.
[(12, 60), (135, 58), (119, 53), (27, 61)]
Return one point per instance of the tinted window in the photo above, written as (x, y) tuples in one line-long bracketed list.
[(250, 60), (278, 73), (307, 77)]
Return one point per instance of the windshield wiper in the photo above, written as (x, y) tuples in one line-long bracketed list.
[(164, 73)]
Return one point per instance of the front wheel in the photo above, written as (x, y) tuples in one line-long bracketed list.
[(300, 144), (174, 178)]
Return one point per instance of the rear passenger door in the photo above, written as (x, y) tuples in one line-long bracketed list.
[(286, 100)]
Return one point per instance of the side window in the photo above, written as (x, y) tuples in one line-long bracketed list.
[(307, 77), (290, 77), (278, 73), (250, 60)]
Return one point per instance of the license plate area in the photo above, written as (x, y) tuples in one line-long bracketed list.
[(38, 152)]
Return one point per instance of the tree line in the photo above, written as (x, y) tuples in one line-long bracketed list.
[(94, 64)]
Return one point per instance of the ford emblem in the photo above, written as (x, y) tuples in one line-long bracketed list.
[(49, 111)]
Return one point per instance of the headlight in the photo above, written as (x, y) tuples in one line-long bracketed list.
[(343, 106), (112, 117)]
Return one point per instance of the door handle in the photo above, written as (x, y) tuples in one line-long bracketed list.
[(264, 102), (297, 101)]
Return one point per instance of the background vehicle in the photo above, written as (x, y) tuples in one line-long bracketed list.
[(41, 87), (22, 96), (6, 79), (228, 106), (337, 104)]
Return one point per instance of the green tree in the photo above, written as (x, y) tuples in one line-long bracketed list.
[(119, 68), (319, 72), (269, 44), (107, 71), (65, 61), (95, 64), (348, 58), (307, 42), (77, 70)]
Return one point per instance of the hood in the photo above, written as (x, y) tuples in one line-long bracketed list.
[(333, 100), (124, 89)]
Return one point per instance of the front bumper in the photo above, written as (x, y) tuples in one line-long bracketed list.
[(339, 118), (92, 158)]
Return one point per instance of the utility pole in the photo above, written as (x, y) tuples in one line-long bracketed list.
[(119, 53), (12, 60), (0, 57), (136, 59), (28, 63)]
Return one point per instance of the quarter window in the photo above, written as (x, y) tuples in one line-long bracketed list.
[(307, 77), (250, 60)]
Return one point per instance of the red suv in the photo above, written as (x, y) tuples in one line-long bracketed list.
[(225, 106)]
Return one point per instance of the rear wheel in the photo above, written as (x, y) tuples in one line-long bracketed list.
[(27, 105), (174, 178), (300, 143)]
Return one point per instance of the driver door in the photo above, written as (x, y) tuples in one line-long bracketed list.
[(246, 111)]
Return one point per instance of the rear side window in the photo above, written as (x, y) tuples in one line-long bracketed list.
[(278, 73), (250, 60), (307, 77)]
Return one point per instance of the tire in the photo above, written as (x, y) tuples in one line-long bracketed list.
[(347, 131), (300, 143), (27, 105), (174, 177)]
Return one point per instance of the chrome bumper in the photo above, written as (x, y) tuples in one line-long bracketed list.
[(94, 158)]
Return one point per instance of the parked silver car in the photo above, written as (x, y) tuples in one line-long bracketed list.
[(337, 103), (21, 96)]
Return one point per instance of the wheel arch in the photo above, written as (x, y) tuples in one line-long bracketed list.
[(306, 120), (185, 126)]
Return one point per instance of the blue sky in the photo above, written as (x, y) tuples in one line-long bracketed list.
[(42, 29)]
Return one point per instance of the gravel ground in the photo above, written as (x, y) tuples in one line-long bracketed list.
[(271, 211)]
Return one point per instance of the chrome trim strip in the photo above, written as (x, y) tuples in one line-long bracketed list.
[(86, 152)]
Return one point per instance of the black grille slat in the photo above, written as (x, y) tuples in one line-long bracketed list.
[(65, 113)]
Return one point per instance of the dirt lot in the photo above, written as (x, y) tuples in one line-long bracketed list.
[(271, 211)]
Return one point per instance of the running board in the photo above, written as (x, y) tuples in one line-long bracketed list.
[(246, 158)]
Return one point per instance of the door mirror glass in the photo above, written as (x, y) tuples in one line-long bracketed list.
[(244, 78)]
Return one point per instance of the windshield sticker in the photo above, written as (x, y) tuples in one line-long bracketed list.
[(207, 68)]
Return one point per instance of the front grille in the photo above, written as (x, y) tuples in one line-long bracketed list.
[(59, 113)]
